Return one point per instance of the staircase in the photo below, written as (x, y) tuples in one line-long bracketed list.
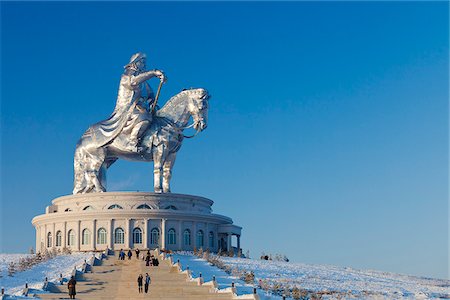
[(117, 279)]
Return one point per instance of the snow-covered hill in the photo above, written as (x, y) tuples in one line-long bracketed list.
[(6, 259), (330, 281), (52, 268)]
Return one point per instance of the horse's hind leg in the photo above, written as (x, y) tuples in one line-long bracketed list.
[(93, 179), (167, 171)]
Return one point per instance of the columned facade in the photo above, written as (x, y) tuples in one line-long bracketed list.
[(127, 220)]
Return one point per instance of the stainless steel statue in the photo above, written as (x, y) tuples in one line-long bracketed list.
[(136, 131)]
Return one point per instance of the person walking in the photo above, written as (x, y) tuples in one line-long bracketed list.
[(147, 282), (71, 286), (139, 280), (137, 253), (120, 254), (130, 254), (147, 260)]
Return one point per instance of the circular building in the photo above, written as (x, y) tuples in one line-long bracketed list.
[(127, 220)]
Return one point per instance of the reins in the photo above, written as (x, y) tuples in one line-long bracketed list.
[(173, 124)]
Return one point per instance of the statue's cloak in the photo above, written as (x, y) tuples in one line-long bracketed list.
[(104, 132)]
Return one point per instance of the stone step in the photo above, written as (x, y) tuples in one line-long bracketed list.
[(117, 279)]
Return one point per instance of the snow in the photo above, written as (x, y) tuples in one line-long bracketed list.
[(61, 264), (320, 278), (224, 280), (6, 259), (317, 278)]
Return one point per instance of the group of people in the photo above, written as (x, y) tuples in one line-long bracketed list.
[(147, 282), (150, 260), (129, 254)]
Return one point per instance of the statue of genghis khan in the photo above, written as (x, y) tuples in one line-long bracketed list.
[(136, 131), (134, 106)]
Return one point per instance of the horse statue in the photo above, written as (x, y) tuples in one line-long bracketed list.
[(158, 143)]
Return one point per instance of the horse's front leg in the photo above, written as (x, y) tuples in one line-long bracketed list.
[(167, 171), (158, 160)]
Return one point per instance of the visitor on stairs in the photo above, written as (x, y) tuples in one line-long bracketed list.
[(130, 254), (121, 255), (155, 261), (147, 282), (137, 253), (140, 278), (147, 260), (71, 286)]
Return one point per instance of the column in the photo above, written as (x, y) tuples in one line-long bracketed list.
[(163, 233), (78, 236), (42, 239), (111, 234), (45, 237), (64, 241), (94, 233), (216, 239), (180, 235), (38, 239), (239, 243), (127, 233), (194, 236), (145, 234), (228, 241), (206, 241), (54, 236)]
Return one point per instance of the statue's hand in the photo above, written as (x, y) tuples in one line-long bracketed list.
[(161, 75)]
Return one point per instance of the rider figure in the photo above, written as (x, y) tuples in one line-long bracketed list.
[(131, 114)]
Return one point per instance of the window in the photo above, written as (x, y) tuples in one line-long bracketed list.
[(154, 236), (144, 206), (58, 238), (101, 236), (88, 208), (115, 206), (86, 237), (119, 236), (171, 207), (49, 240), (187, 237), (211, 239), (137, 236), (71, 240), (199, 239), (172, 237)]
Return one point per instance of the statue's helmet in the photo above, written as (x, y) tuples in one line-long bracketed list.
[(135, 58)]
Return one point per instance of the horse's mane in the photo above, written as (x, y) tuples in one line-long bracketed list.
[(172, 106)]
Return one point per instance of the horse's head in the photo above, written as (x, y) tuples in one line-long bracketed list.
[(198, 108)]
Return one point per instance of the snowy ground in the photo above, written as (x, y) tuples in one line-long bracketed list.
[(6, 259), (62, 264), (309, 277), (198, 265), (322, 278)]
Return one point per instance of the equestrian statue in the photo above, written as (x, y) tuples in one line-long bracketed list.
[(137, 130)]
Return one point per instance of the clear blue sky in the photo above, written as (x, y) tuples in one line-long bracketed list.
[(328, 131)]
